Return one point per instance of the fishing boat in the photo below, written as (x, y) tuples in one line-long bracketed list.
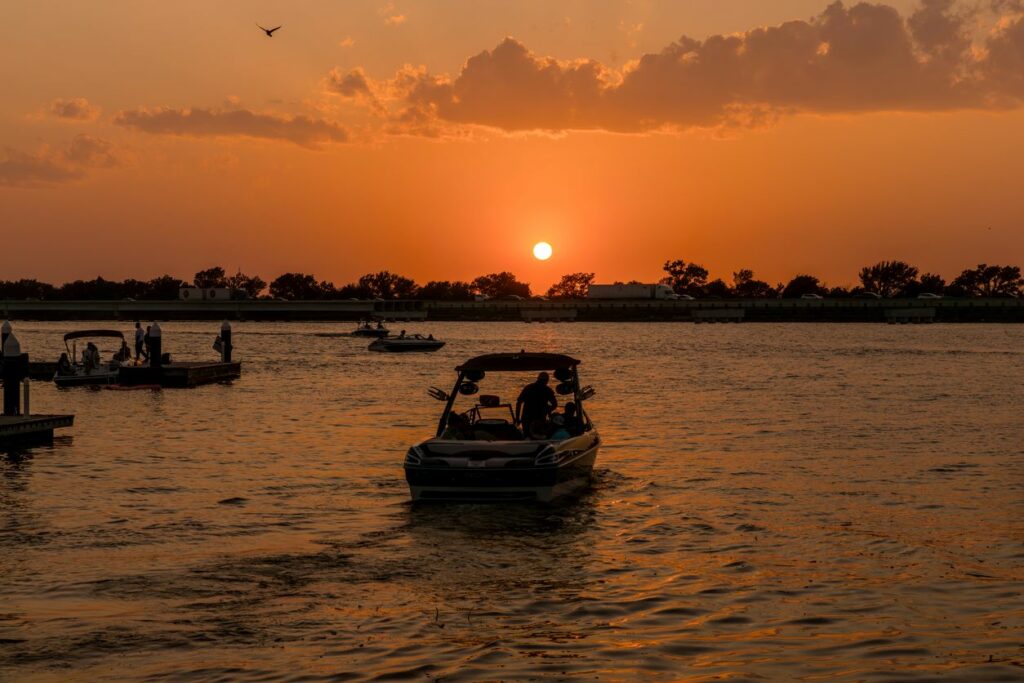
[(407, 342), (480, 453), (89, 367)]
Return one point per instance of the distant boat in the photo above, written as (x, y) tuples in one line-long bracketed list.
[(368, 330), (486, 457), (411, 342)]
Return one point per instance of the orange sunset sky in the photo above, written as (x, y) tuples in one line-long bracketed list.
[(442, 139)]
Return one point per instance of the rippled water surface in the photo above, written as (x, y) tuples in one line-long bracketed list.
[(772, 502)]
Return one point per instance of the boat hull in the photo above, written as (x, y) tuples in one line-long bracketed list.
[(399, 347), (81, 380), (477, 482)]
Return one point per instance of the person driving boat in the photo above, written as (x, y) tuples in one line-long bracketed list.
[(535, 402)]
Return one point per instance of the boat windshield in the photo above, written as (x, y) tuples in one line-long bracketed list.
[(486, 410)]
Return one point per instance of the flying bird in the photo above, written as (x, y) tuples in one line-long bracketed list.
[(269, 31)]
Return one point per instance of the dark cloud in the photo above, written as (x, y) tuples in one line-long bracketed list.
[(354, 85), (858, 58), (76, 109), (53, 167), (197, 122), (86, 150)]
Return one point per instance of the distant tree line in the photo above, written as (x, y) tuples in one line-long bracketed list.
[(883, 279)]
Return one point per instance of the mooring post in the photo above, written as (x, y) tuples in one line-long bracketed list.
[(25, 395), (5, 331), (15, 370), (155, 346), (225, 341)]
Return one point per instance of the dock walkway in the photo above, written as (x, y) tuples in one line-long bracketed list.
[(16, 430)]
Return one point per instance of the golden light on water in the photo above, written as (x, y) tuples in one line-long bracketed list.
[(542, 251)]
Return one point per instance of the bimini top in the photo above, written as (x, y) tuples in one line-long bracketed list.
[(518, 362), (92, 333)]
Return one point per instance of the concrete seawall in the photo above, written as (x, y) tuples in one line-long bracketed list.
[(702, 310)]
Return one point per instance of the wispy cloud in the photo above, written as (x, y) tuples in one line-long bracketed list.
[(304, 131), (48, 167), (392, 17)]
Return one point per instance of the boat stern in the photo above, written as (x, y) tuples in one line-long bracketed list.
[(492, 471)]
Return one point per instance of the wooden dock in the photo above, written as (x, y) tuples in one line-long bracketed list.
[(22, 430), (180, 375), (42, 370)]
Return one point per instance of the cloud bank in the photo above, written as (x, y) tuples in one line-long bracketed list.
[(47, 167), (848, 59), (198, 122)]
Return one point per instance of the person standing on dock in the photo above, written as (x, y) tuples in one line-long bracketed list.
[(140, 342)]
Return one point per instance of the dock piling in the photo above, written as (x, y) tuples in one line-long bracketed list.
[(225, 340), (15, 370), (155, 346)]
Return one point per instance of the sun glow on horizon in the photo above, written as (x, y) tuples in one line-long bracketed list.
[(542, 251)]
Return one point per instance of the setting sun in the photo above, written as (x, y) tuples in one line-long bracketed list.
[(542, 251)]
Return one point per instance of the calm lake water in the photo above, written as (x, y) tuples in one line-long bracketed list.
[(772, 502)]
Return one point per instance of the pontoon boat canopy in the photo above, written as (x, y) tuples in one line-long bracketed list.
[(92, 333), (518, 362)]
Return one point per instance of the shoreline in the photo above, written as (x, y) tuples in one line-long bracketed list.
[(991, 309)]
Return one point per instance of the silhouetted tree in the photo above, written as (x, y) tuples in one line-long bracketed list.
[(744, 285), (838, 293), (572, 286), (718, 288), (685, 278), (26, 289), (803, 284), (92, 290), (353, 291), (211, 277), (387, 285), (986, 280), (501, 284), (888, 278), (443, 290), (252, 285), (300, 287), (163, 288), (932, 284), (929, 283)]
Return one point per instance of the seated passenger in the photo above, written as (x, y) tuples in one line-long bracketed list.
[(458, 428), (558, 431), (64, 365), (90, 357), (538, 430), (124, 353)]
